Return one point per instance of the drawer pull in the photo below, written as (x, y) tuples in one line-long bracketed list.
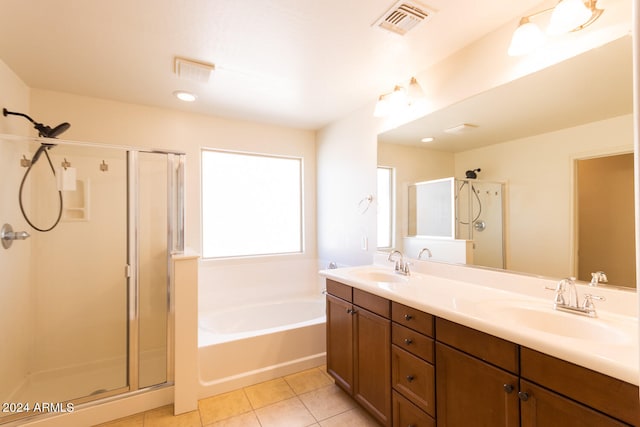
[(524, 396), (508, 388), (351, 311), (410, 378), (408, 341), (408, 317)]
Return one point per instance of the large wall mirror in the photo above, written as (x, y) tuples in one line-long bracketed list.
[(551, 137)]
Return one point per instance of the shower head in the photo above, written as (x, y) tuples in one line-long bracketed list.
[(43, 131), (472, 174)]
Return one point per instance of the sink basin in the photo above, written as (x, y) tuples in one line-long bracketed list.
[(544, 319), (380, 276)]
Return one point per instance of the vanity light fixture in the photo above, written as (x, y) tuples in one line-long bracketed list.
[(185, 96), (567, 16), (399, 99)]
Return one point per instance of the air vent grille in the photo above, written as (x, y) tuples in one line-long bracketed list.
[(193, 70), (403, 16)]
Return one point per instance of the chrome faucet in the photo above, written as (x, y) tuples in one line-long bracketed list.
[(573, 305), (401, 266), (423, 250), (597, 278)]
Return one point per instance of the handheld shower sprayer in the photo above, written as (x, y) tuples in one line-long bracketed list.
[(43, 131)]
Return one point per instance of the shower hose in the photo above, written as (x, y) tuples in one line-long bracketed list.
[(24, 178)]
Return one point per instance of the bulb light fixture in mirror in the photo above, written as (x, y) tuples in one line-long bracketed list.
[(399, 99), (566, 16)]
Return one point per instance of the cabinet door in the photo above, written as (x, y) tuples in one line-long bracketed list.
[(471, 392), (340, 342), (541, 408), (373, 364)]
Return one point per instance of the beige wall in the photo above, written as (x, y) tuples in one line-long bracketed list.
[(15, 288)]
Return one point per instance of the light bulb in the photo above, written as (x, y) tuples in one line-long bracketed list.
[(567, 16), (526, 38)]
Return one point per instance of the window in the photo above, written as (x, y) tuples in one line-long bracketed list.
[(385, 207), (251, 204)]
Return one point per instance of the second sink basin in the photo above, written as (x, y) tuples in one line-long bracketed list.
[(544, 319)]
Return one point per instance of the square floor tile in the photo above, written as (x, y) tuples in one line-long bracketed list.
[(248, 419), (163, 416), (223, 406), (326, 402), (287, 413), (356, 417), (136, 420), (269, 392), (308, 380)]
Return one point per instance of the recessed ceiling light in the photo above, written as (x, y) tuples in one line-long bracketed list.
[(427, 139), (184, 96)]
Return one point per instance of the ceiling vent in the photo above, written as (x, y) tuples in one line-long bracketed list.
[(192, 70), (403, 16)]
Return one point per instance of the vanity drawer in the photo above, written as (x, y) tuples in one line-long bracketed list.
[(412, 341), (494, 350), (374, 303), (413, 378), (412, 318), (406, 413), (339, 290)]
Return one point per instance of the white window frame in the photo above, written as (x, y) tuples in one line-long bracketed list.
[(391, 208), (207, 254)]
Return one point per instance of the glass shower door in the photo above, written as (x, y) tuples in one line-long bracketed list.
[(68, 296)]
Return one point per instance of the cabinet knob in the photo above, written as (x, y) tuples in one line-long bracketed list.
[(351, 311), (410, 378), (408, 317), (408, 341), (524, 396), (508, 388)]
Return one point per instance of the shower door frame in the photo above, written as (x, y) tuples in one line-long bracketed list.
[(175, 245)]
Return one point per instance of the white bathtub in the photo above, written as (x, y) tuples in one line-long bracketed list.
[(248, 344)]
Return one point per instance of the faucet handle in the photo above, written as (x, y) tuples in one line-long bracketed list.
[(588, 301)]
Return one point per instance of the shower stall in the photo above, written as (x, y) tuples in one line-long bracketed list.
[(461, 209), (86, 302)]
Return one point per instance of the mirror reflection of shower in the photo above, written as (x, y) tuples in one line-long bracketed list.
[(480, 218), (43, 132), (460, 210)]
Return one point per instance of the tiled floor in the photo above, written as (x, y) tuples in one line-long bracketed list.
[(307, 398)]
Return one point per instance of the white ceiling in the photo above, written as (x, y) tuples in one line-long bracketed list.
[(299, 63)]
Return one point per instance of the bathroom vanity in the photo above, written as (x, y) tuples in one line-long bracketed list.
[(422, 351)]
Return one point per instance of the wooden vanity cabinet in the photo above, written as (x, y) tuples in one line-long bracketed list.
[(557, 390), (477, 378), (409, 368), (359, 347)]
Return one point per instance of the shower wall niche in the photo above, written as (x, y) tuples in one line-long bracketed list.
[(85, 305), (460, 209)]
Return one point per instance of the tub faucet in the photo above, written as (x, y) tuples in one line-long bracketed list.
[(423, 250), (573, 304), (401, 266), (597, 278)]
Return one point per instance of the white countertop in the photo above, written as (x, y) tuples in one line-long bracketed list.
[(613, 351)]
